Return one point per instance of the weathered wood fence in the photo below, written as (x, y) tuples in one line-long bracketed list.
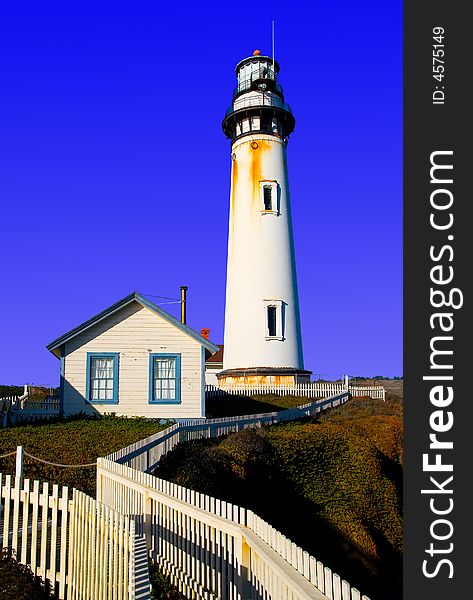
[(87, 550), (210, 548)]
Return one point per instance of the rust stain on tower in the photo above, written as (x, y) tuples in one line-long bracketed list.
[(234, 181), (256, 169)]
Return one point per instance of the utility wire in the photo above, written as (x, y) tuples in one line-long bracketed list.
[(162, 297)]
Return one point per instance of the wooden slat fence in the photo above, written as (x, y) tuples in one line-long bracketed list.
[(377, 392), (7, 403), (33, 410), (210, 548), (17, 409), (85, 549), (308, 390), (213, 549)]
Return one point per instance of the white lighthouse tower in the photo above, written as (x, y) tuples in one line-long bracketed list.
[(262, 341)]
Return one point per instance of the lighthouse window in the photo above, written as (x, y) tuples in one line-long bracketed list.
[(266, 123), (272, 321), (267, 199)]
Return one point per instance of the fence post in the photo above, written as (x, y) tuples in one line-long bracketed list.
[(99, 476), (147, 525), (131, 562), (243, 584), (19, 463)]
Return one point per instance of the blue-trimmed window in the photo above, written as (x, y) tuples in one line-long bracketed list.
[(102, 377), (165, 378)]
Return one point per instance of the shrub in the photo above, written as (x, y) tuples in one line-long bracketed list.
[(10, 390), (161, 585), (17, 581)]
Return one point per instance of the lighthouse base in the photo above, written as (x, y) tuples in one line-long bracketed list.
[(260, 376)]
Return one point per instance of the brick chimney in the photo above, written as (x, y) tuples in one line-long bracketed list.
[(205, 333)]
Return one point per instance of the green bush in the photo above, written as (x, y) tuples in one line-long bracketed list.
[(17, 581), (161, 586)]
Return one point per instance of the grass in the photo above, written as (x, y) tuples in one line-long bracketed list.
[(72, 441), (332, 484)]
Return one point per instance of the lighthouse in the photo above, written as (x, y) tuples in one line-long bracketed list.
[(262, 339)]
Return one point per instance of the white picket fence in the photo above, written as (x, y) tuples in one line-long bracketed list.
[(19, 409), (309, 390), (85, 549), (7, 403), (377, 392), (47, 408), (212, 549)]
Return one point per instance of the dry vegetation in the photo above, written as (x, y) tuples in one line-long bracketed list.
[(332, 485)]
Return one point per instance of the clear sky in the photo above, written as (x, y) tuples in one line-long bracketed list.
[(115, 173)]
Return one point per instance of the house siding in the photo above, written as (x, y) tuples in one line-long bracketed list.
[(211, 370), (134, 332)]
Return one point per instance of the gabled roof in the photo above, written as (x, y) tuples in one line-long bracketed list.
[(217, 357), (133, 297)]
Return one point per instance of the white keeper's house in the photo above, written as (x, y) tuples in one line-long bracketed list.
[(133, 359)]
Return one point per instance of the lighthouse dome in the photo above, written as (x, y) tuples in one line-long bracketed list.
[(257, 72)]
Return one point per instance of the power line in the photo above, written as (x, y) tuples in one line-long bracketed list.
[(162, 297)]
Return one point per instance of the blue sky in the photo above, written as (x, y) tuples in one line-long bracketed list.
[(115, 173)]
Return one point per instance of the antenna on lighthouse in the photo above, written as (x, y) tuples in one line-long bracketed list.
[(272, 40)]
